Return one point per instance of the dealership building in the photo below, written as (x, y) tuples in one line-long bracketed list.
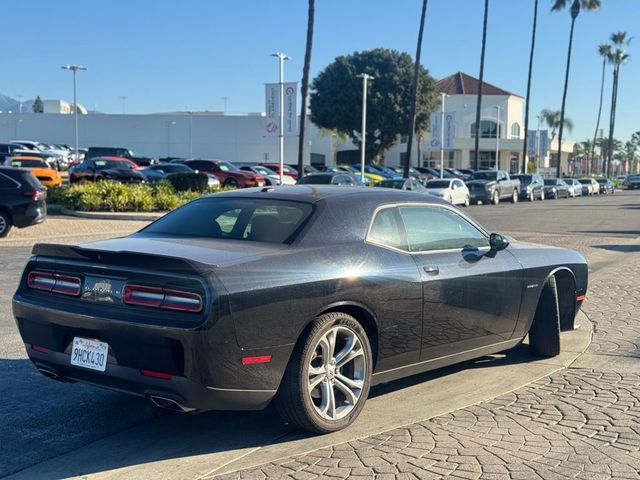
[(247, 138)]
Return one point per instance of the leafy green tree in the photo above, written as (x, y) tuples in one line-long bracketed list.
[(617, 57), (336, 97), (305, 83), (576, 5), (38, 106), (630, 154)]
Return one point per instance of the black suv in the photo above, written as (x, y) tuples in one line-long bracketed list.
[(22, 199), (119, 152)]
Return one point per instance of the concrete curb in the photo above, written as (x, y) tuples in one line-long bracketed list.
[(141, 217)]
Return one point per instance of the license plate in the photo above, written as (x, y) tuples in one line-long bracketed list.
[(90, 354)]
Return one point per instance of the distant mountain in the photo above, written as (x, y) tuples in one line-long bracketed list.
[(11, 104)]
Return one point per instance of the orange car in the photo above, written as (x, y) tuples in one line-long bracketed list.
[(47, 175)]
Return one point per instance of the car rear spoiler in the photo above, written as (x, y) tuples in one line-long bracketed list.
[(163, 263)]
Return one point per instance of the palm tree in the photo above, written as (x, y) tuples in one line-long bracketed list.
[(630, 154), (480, 81), (575, 11), (617, 57), (604, 50), (526, 108), (305, 85), (552, 119), (414, 91)]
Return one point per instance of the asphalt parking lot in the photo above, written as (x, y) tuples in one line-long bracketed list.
[(52, 430)]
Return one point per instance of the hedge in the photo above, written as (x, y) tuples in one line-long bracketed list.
[(110, 196)]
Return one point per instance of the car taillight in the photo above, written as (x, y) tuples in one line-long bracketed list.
[(36, 194), (162, 298), (55, 283)]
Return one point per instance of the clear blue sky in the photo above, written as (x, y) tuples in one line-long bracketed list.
[(167, 55)]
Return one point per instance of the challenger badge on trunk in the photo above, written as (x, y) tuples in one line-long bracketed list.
[(105, 290)]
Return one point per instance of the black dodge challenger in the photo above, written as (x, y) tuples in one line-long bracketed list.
[(305, 296)]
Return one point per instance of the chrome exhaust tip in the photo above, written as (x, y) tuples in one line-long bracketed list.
[(50, 373), (170, 404)]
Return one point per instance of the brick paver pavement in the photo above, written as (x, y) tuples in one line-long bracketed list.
[(581, 422)]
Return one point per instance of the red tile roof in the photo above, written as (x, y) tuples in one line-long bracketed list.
[(463, 84)]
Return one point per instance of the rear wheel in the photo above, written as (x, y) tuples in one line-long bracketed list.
[(328, 377), (514, 196), (544, 334), (495, 198), (466, 201), (542, 195), (5, 224), (231, 183)]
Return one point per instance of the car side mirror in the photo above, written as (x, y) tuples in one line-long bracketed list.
[(497, 242)]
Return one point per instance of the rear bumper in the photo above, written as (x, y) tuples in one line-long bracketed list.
[(33, 214), (189, 396)]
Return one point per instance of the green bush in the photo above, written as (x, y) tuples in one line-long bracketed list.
[(110, 196), (196, 182)]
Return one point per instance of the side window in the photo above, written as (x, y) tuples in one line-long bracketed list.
[(228, 220), (457, 184), (435, 228), (385, 229), (6, 182)]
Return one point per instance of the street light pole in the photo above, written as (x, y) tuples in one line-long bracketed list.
[(74, 69), (281, 58), (365, 78), (498, 108), (538, 145), (124, 100), (444, 95), (190, 134)]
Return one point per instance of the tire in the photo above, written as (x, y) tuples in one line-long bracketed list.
[(230, 183), (5, 224), (532, 196), (514, 196), (544, 334), (542, 197), (495, 197), (466, 201), (301, 404)]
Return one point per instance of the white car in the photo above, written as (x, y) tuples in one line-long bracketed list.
[(271, 177), (575, 187), (453, 190)]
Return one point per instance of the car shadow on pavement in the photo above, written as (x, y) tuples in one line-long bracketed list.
[(633, 233), (619, 248)]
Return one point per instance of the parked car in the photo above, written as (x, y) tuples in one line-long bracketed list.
[(458, 173), (435, 172), (410, 184), (575, 187), (119, 152), (228, 173), (309, 169), (452, 190), (161, 171), (106, 168), (22, 199), (385, 174), (531, 186), (633, 182), (46, 175), (328, 178), (606, 186), (305, 296), (417, 174), (270, 177), (369, 178), (589, 186), (56, 158), (555, 188), (491, 186), (289, 171)]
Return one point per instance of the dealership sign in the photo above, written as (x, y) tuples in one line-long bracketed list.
[(449, 130), (535, 145), (272, 109)]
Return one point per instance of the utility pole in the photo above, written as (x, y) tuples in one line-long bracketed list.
[(281, 58), (365, 78), (443, 96), (74, 69), (498, 108)]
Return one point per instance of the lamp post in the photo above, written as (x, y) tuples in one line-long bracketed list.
[(169, 137), (443, 96), (124, 100), (538, 145), (365, 78), (498, 108), (74, 69), (281, 58), (225, 100)]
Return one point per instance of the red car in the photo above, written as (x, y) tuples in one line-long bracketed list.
[(228, 174), (289, 171)]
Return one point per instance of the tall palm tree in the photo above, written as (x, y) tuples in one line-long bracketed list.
[(604, 50), (480, 81), (575, 11), (414, 91), (552, 119), (305, 85), (617, 57), (526, 107)]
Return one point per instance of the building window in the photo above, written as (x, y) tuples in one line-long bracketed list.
[(487, 129), (487, 159), (514, 161), (318, 159), (515, 130)]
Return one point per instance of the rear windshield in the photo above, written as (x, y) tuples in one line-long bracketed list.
[(316, 179), (257, 220), (438, 184), (29, 164)]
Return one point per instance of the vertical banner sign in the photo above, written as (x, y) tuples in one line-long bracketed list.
[(449, 130), (272, 109), (544, 143), (532, 143)]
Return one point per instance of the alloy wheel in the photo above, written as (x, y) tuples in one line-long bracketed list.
[(337, 373), (3, 225)]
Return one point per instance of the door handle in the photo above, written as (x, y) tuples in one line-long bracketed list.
[(432, 269)]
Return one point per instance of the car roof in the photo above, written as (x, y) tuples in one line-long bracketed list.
[(108, 157), (310, 193), (27, 157)]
